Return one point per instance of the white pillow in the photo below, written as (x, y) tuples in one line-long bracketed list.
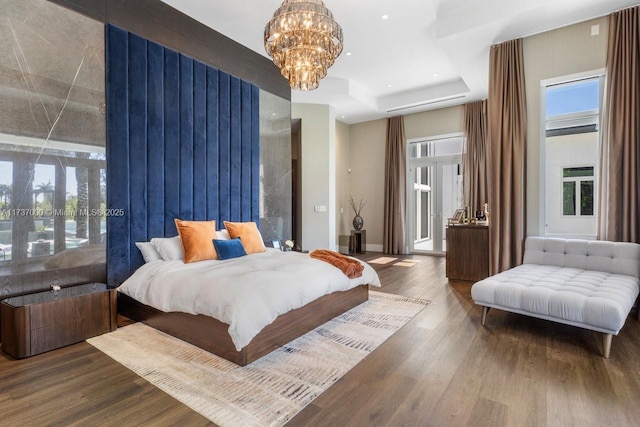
[(223, 235), (169, 248), (149, 253)]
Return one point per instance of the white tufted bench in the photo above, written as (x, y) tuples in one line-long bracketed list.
[(586, 283)]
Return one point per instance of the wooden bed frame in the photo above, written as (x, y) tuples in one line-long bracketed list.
[(212, 335)]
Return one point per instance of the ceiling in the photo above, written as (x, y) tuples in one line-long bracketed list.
[(427, 54)]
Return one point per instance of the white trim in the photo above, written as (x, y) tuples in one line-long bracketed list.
[(542, 162), (572, 78)]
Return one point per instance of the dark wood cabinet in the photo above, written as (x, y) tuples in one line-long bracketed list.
[(467, 252), (39, 322)]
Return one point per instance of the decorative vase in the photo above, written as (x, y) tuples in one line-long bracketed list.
[(358, 222)]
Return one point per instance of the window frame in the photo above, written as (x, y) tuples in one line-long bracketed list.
[(599, 73), (578, 180)]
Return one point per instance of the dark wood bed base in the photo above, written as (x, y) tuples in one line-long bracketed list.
[(212, 335)]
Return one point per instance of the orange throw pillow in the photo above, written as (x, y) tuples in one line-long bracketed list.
[(249, 235), (197, 239)]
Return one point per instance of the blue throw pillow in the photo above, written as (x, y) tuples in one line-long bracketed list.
[(228, 249)]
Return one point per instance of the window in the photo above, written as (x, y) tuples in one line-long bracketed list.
[(572, 107), (443, 146), (51, 199), (434, 188), (577, 191), (570, 149)]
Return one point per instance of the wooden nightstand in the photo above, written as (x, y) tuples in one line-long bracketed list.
[(43, 321)]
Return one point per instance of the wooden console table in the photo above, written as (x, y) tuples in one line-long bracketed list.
[(467, 252), (43, 321)]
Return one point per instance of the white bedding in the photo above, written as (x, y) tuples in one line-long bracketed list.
[(248, 293)]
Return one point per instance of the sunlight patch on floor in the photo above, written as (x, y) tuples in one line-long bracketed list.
[(407, 263), (382, 260)]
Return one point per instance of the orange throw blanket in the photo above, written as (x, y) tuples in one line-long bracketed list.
[(349, 266)]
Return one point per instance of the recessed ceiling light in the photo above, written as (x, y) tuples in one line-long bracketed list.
[(273, 114), (389, 85), (348, 53), (435, 74), (385, 16), (342, 117)]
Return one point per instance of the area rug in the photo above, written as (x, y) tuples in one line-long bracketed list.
[(273, 389)]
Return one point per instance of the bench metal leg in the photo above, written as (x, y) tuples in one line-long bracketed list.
[(606, 344), (485, 310)]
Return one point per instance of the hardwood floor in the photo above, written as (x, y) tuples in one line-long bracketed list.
[(441, 369)]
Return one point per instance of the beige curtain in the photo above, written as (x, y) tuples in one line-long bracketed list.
[(395, 179), (474, 159), (619, 177), (507, 144)]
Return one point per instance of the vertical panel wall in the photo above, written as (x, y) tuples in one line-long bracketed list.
[(182, 142)]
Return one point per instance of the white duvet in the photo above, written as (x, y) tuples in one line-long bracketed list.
[(248, 293)]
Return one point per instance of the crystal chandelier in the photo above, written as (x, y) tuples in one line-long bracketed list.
[(304, 40)]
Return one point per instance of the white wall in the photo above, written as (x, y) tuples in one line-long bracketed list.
[(568, 151), (318, 135), (342, 210)]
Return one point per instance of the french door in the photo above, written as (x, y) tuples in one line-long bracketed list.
[(434, 192)]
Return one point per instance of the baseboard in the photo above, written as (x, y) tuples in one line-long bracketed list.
[(374, 248)]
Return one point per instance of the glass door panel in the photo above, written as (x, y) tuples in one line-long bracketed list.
[(452, 197), (423, 204), (435, 192)]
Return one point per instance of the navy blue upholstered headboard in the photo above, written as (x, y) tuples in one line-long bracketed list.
[(183, 141)]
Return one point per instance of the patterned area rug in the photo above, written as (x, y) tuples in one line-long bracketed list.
[(273, 389)]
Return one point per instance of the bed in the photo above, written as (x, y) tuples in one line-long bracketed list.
[(242, 308)]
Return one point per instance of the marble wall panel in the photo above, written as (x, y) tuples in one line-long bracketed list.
[(52, 129), (51, 73), (275, 167)]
